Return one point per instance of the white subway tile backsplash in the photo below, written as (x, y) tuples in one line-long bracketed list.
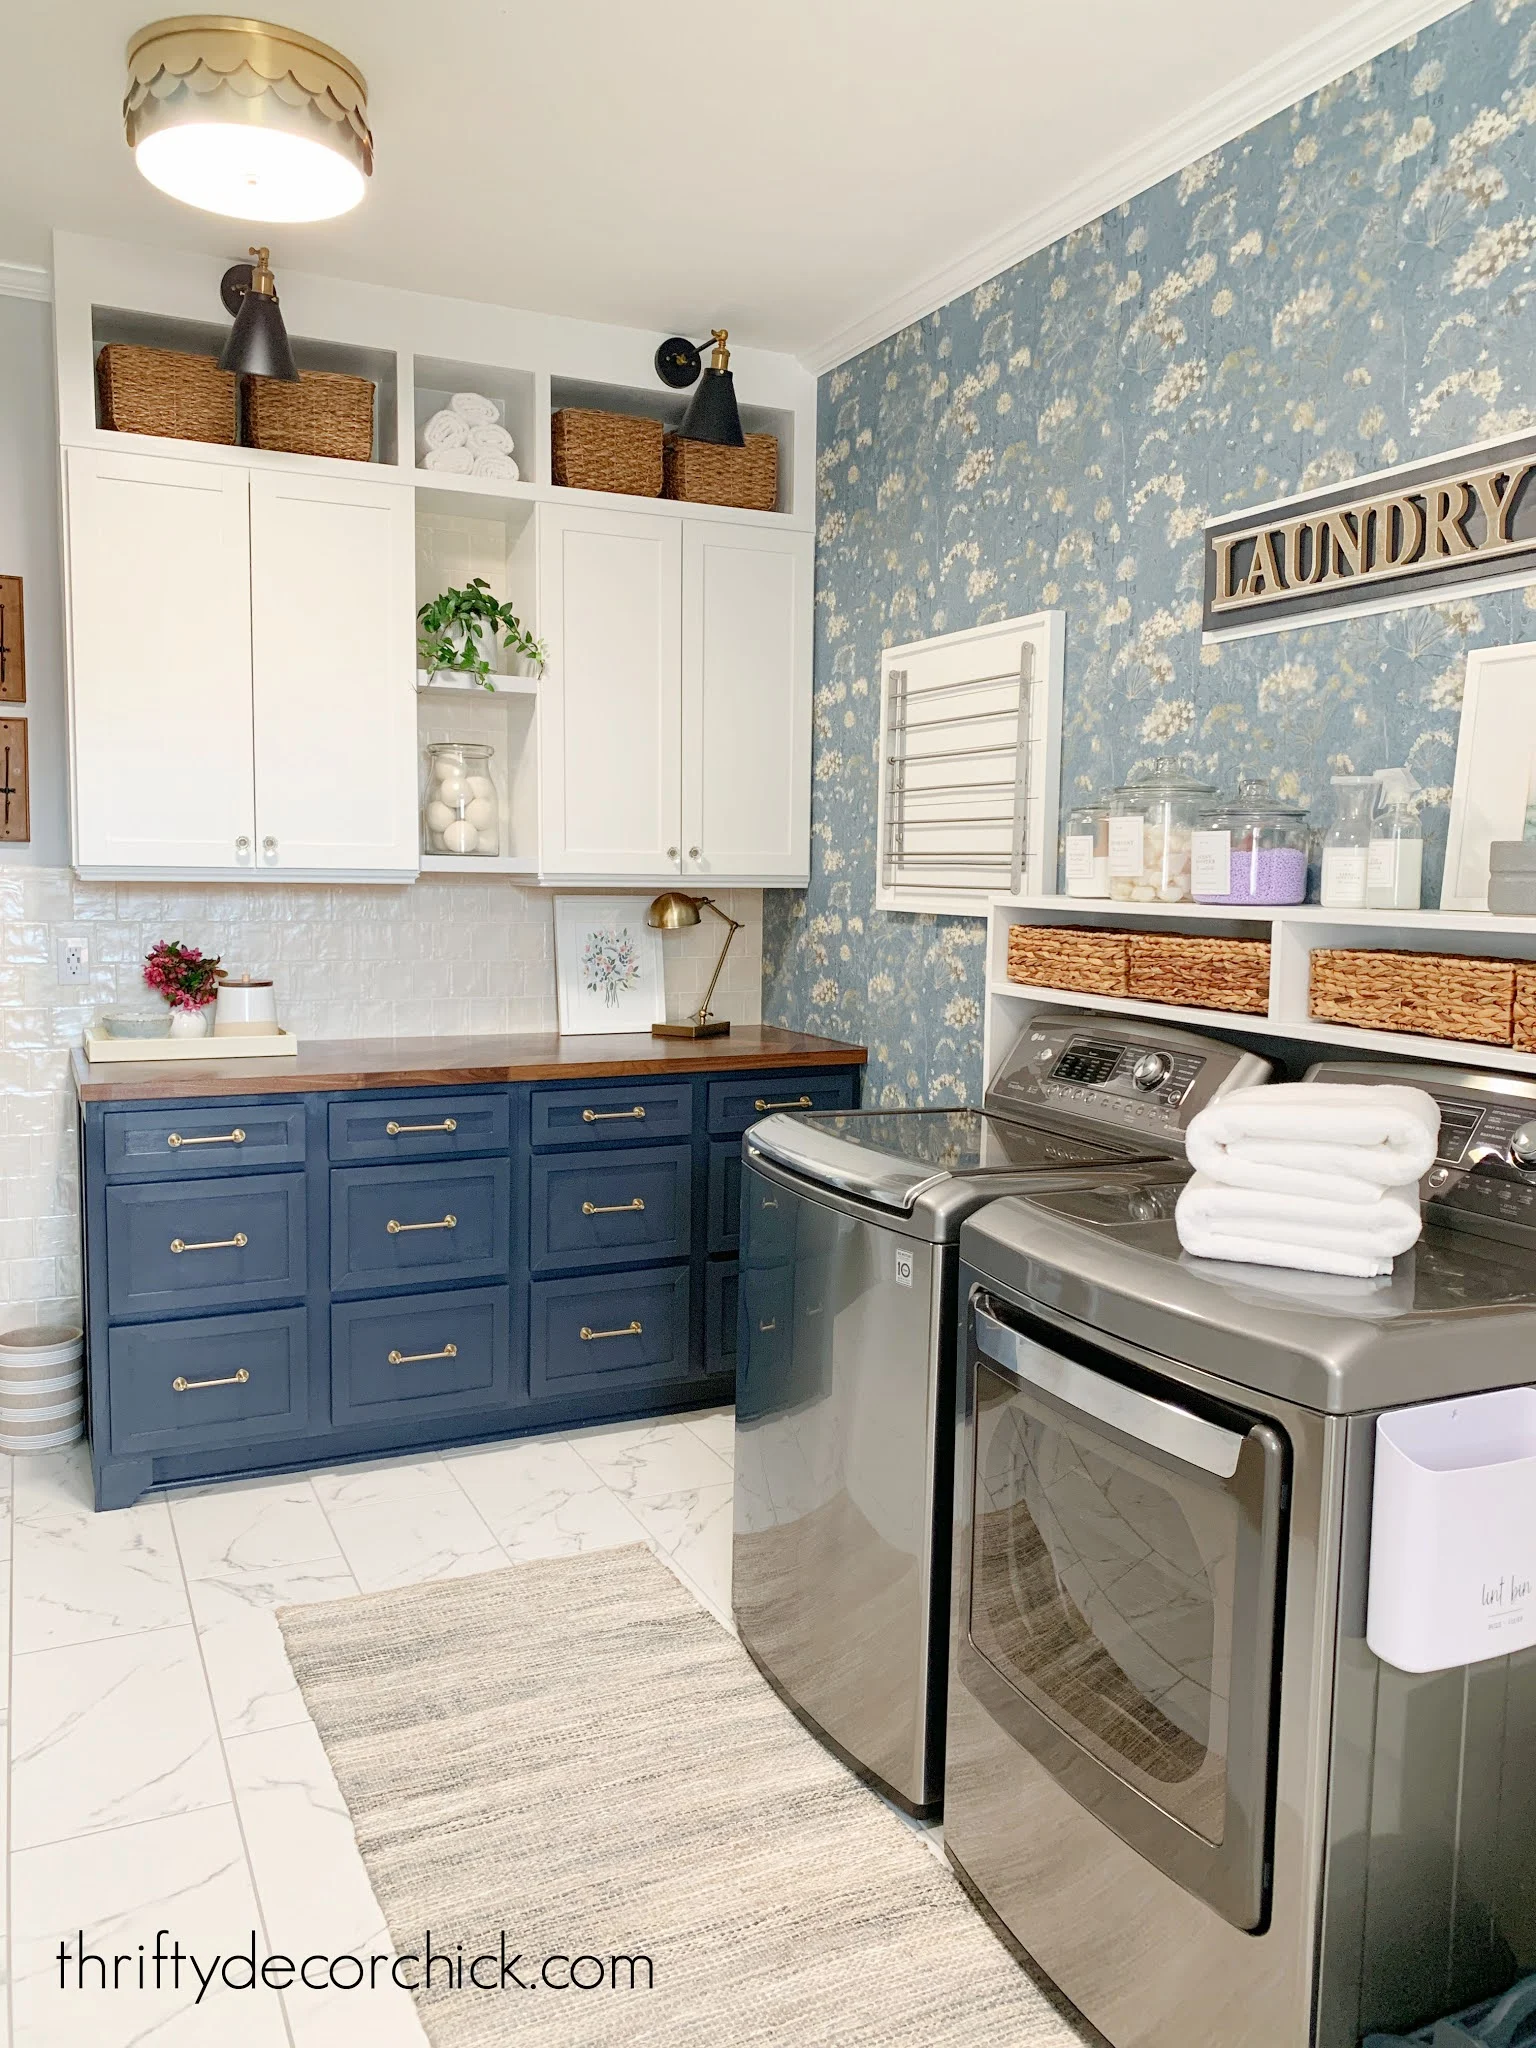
[(448, 955)]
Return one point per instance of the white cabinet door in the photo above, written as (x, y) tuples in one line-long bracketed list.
[(746, 703), (332, 634), (610, 703), (160, 663)]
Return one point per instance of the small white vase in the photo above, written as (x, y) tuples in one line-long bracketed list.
[(189, 1024)]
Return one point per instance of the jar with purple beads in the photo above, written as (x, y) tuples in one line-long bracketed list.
[(1251, 851)]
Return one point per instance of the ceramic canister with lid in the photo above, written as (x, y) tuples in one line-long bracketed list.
[(1253, 850), (246, 1008), (1151, 826)]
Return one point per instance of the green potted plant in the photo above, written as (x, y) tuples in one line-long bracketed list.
[(460, 630)]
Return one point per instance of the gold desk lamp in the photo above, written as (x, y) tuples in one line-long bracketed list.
[(675, 912)]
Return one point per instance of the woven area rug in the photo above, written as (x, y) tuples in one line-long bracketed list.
[(575, 1753)]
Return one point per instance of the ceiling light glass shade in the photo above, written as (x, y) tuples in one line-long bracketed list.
[(248, 120)]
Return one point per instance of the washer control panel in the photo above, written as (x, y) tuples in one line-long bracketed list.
[(1136, 1076)]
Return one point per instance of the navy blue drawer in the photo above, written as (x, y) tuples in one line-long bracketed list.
[(735, 1104), (766, 1221), (608, 1333), (437, 1126), (221, 1244), (394, 1226), (208, 1383), (611, 1116), (421, 1354), (725, 1196), (176, 1143), (722, 1292), (610, 1208)]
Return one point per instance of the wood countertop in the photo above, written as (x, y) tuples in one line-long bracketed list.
[(327, 1066)]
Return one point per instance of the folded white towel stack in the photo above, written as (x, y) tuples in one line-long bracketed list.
[(452, 461), (490, 440), (1320, 1177), (469, 430), (475, 407), (496, 465), (445, 430)]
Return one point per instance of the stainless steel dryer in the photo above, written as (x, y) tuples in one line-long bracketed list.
[(1175, 1770), (846, 1353)]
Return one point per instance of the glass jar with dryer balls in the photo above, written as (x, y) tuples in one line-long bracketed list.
[(1088, 850), (1347, 843), (460, 813), (1253, 850), (1151, 826)]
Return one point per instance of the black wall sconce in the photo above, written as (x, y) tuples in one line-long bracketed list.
[(258, 341), (712, 415)]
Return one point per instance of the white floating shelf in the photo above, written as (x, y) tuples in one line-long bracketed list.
[(447, 682), (1419, 924), (479, 864), (505, 489)]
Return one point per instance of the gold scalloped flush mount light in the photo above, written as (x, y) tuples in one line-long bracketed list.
[(245, 119)]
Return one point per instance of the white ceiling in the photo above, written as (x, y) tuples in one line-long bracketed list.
[(809, 173)]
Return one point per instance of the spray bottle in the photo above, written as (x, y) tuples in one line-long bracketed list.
[(1395, 863)]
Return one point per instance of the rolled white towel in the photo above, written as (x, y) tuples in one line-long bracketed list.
[(1261, 1228), (453, 461), (488, 440), (475, 407), (497, 465), (445, 430), (1340, 1143)]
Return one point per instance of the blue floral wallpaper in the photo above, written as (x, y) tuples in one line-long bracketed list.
[(1344, 287)]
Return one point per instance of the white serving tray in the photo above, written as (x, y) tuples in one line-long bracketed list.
[(277, 1045)]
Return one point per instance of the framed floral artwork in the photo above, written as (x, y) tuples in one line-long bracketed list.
[(608, 973)]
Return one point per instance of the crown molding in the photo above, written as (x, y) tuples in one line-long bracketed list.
[(25, 281), (1303, 67)]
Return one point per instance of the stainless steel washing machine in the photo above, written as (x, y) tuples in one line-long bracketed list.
[(846, 1353), (1175, 1770)]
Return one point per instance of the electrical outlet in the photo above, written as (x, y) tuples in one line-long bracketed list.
[(74, 960)]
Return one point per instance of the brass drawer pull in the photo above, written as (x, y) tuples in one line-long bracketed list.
[(800, 1102), (419, 1357), (614, 1116), (612, 1208), (769, 1326), (235, 1379), (398, 1229), (594, 1336), (234, 1137), (214, 1244), (394, 1130)]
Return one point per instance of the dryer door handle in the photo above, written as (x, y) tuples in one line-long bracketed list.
[(1140, 1417)]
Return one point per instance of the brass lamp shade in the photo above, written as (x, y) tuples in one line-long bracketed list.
[(674, 912)]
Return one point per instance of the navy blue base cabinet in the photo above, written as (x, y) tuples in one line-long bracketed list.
[(284, 1279)]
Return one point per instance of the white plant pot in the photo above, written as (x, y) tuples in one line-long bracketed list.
[(189, 1024)]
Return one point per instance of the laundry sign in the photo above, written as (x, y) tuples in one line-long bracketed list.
[(1465, 520)]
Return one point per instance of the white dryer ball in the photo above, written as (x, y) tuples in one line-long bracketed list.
[(481, 785), (439, 817), (461, 838), (480, 811), (451, 786)]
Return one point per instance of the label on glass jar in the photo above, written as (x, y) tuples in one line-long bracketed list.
[(1079, 856), (1210, 867), (1125, 843), (1344, 873)]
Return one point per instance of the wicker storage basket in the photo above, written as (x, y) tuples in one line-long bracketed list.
[(165, 391), (702, 473), (1438, 995), (606, 451), (325, 413), (1206, 974), (1525, 1008), (1067, 956)]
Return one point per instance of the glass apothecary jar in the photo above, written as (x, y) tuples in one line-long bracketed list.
[(1152, 823), (459, 812), (1253, 850), (1088, 849)]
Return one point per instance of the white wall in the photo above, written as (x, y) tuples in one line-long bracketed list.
[(29, 548)]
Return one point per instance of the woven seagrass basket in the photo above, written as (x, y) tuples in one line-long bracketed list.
[(1525, 1008), (1438, 995), (606, 451), (165, 391), (1205, 974), (703, 473), (1067, 956), (325, 413)]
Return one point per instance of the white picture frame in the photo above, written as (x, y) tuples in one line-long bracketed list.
[(1495, 756), (594, 936)]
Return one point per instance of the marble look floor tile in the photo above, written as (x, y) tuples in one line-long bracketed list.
[(345, 1486), (540, 1499), (249, 1675), (691, 1529), (251, 1527), (310, 1879), (54, 1478), (644, 1460), (107, 1734), (187, 1875), (80, 1577), (717, 1426), (400, 1543)]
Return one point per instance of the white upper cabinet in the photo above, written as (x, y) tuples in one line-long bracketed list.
[(675, 716), (746, 742), (333, 643), (160, 668), (610, 703)]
